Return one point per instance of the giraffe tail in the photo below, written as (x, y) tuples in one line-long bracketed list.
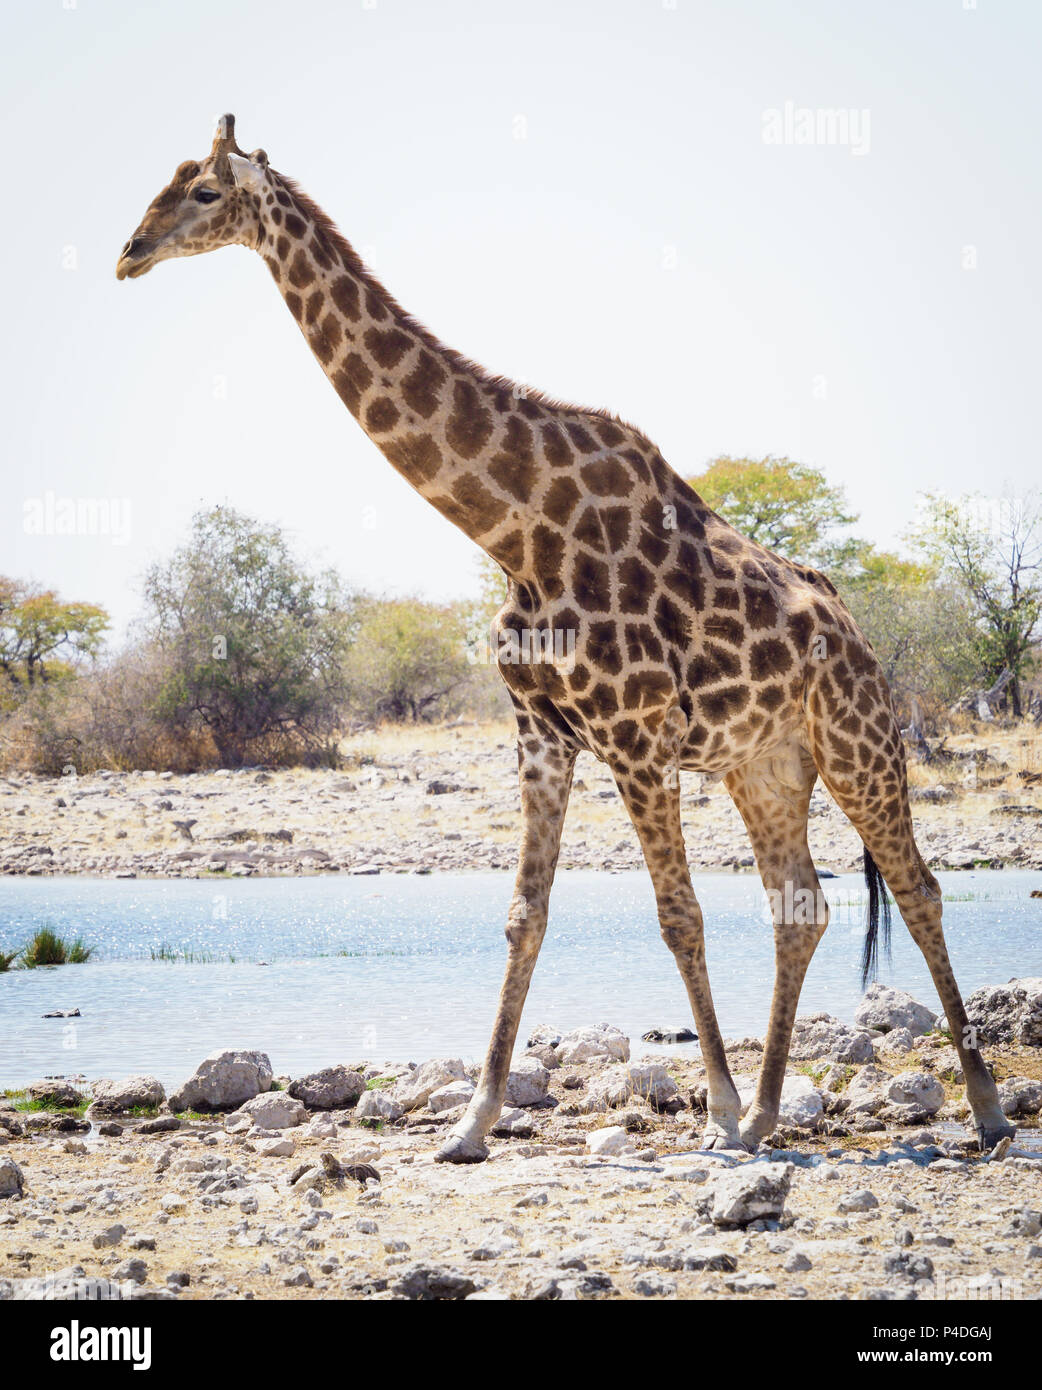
[(878, 910)]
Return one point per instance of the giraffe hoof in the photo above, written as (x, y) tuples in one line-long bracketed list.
[(990, 1135), (718, 1140), (456, 1149)]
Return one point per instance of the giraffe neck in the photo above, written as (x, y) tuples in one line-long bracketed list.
[(473, 446)]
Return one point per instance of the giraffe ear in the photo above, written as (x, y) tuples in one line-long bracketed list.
[(246, 173)]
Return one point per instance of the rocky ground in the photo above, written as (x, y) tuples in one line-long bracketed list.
[(242, 1185), (416, 800)]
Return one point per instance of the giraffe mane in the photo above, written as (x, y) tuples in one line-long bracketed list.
[(460, 361)]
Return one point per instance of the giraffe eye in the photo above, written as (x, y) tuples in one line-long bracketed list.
[(205, 195)]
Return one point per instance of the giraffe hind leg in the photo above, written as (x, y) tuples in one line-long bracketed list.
[(875, 798)]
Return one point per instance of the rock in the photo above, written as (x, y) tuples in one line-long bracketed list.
[(527, 1083), (54, 1092), (425, 1283), (378, 1107), (112, 1235), (513, 1123), (275, 1110), (654, 1285), (332, 1088), (542, 1052), (863, 1200), (276, 1148), (945, 1061), (537, 1197), (709, 1257), (750, 1283), (1020, 1095), (132, 1093), (797, 1263), (600, 1043), (544, 1036), (669, 1035), (752, 1192), (902, 1264), (224, 1081), (609, 1142), (819, 1036), (448, 1097), (417, 1087), (887, 1008), (1008, 1013), (12, 1180), (867, 1091), (801, 1103), (895, 1043), (298, 1278), (917, 1089), (615, 1086), (162, 1124), (133, 1271)]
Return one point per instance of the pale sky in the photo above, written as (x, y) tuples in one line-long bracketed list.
[(577, 193)]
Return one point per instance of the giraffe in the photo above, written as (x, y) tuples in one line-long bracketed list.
[(690, 646)]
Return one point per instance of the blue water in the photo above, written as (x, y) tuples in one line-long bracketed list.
[(423, 962)]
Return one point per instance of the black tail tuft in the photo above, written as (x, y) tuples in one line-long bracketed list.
[(877, 898)]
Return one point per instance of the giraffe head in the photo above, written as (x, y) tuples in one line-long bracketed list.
[(205, 205)]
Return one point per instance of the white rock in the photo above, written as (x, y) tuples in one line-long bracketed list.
[(895, 1043), (223, 1081), (117, 1097), (527, 1082), (867, 1091), (801, 1103), (917, 1089), (12, 1179), (275, 1110), (608, 1143), (1008, 1013), (378, 1105), (276, 1148), (417, 1087), (616, 1085), (599, 1043), (450, 1096), (332, 1088), (817, 1036), (750, 1192), (513, 1121), (886, 1008), (1020, 1095)]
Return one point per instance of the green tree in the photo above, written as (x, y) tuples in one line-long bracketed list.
[(408, 659), (786, 506), (991, 550), (40, 633), (921, 628), (252, 643)]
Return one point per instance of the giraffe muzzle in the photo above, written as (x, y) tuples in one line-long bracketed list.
[(135, 258)]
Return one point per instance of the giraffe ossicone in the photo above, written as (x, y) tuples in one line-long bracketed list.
[(691, 646)]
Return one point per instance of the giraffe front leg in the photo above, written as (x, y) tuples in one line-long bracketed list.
[(546, 779), (773, 796)]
